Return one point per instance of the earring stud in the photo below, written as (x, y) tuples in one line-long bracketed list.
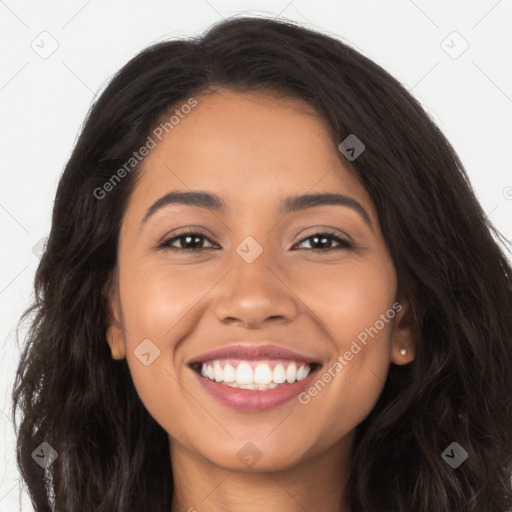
[(403, 352)]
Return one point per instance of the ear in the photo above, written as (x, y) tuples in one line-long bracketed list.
[(114, 334), (405, 334)]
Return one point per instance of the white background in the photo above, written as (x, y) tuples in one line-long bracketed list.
[(44, 101)]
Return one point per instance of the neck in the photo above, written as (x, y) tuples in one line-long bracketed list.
[(316, 483)]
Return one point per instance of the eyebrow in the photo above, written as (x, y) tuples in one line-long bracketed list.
[(215, 203)]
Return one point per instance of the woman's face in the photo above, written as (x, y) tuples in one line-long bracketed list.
[(257, 271)]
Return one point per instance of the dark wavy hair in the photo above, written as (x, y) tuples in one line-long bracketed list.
[(112, 455)]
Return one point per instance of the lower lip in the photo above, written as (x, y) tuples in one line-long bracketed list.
[(248, 400)]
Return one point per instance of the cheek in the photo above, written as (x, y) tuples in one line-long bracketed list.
[(160, 305), (158, 299), (348, 387), (355, 303), (347, 297)]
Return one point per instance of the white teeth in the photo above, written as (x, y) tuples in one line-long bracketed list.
[(291, 373), (243, 374), (262, 377), (262, 374), (303, 372), (279, 374), (229, 373), (218, 373), (260, 387), (254, 387)]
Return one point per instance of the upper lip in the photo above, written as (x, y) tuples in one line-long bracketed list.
[(252, 352)]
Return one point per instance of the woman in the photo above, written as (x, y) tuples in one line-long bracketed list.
[(268, 285)]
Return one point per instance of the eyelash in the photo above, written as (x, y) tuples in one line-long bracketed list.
[(344, 244)]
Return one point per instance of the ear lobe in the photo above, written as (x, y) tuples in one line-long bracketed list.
[(405, 335), (114, 333)]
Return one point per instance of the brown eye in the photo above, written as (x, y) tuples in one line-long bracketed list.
[(189, 241), (323, 241)]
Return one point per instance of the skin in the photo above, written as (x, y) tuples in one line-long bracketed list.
[(254, 150)]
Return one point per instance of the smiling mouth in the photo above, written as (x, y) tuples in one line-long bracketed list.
[(255, 375)]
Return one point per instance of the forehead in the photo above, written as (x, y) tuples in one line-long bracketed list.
[(249, 148)]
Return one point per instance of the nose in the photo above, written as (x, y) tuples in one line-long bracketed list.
[(253, 295)]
